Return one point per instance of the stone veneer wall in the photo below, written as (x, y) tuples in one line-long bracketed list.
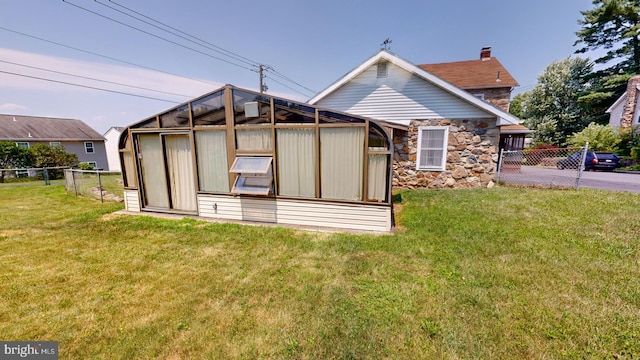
[(499, 97), (472, 155), (630, 106)]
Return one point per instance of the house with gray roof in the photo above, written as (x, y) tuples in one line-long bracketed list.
[(74, 135)]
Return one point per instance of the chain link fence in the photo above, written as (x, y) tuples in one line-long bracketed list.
[(32, 176), (102, 185), (549, 168)]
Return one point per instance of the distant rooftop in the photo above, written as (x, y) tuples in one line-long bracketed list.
[(33, 128)]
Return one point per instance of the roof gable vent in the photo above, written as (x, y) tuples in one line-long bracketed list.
[(383, 71)]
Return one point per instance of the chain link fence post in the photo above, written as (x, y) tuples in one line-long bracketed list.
[(45, 175), (583, 158), (500, 162), (100, 188)]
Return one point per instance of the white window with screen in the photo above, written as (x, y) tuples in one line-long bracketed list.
[(88, 147), (432, 148), (24, 145), (54, 143), (254, 175)]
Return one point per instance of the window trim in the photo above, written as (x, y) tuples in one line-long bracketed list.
[(86, 149), (445, 144)]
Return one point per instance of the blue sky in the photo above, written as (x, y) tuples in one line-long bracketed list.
[(312, 43)]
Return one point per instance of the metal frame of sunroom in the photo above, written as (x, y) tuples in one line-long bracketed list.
[(238, 155)]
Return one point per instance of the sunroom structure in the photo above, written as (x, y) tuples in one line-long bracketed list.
[(234, 154)]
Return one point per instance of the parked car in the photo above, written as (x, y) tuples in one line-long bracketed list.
[(593, 161)]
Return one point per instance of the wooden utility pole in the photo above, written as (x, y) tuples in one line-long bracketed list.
[(261, 68)]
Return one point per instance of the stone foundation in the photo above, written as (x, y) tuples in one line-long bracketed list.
[(472, 155)]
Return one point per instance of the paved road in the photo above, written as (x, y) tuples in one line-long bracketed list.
[(567, 178)]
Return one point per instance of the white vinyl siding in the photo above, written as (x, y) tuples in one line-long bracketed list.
[(131, 200), (432, 148), (294, 212), (400, 97)]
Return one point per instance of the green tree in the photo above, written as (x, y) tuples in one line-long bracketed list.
[(13, 156), (551, 108), (515, 106), (44, 155), (599, 137), (613, 25)]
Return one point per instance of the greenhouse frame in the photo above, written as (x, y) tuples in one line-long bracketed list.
[(238, 155)]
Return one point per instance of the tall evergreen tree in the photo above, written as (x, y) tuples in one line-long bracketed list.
[(613, 25)]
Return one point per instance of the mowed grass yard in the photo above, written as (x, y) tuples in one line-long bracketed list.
[(504, 273)]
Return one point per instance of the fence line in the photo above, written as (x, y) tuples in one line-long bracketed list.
[(95, 183), (44, 173), (553, 168)]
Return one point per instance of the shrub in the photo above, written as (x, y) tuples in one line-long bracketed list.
[(85, 166), (599, 137)]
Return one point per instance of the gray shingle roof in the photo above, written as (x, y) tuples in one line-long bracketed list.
[(32, 128)]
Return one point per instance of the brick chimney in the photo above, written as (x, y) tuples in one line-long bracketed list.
[(485, 53)]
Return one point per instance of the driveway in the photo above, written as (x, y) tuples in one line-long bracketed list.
[(615, 181)]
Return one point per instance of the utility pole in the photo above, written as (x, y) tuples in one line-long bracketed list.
[(261, 68)]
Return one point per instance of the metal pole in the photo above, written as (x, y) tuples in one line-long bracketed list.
[(500, 161), (100, 186), (583, 157), (73, 176)]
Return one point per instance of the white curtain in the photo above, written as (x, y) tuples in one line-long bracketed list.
[(253, 139), (127, 159), (180, 167), (376, 184), (213, 167), (341, 162), (296, 162), (153, 176)]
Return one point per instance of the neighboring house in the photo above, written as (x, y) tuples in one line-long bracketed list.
[(234, 154), (74, 135), (112, 136), (625, 112), (444, 136)]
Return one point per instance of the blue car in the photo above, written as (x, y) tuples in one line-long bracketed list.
[(593, 161)]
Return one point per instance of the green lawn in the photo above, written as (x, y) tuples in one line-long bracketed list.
[(503, 273)]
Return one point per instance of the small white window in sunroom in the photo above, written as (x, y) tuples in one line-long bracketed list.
[(432, 148), (255, 175)]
